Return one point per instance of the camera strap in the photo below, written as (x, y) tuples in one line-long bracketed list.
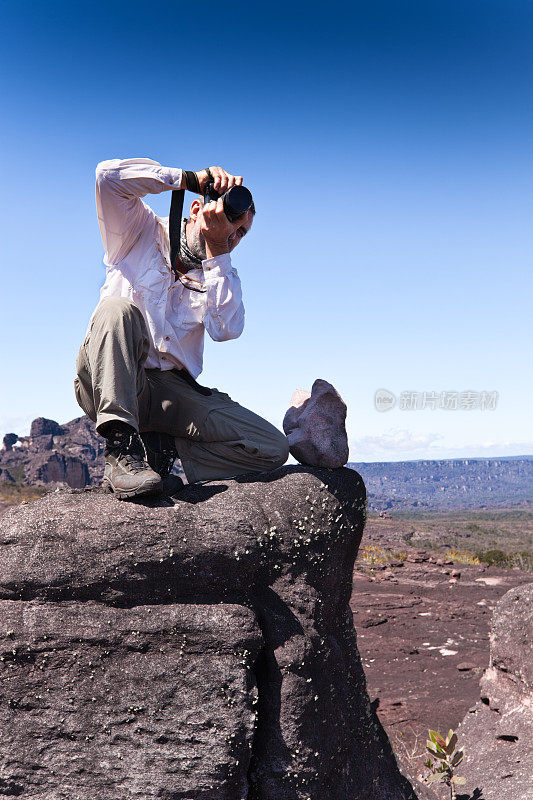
[(192, 183), (175, 236), (174, 225)]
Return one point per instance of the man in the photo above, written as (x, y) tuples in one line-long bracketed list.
[(143, 350)]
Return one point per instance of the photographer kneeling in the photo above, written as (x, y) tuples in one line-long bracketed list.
[(167, 282)]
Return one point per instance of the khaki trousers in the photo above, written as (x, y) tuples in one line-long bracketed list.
[(215, 436)]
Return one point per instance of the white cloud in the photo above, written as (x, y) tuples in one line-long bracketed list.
[(392, 443)]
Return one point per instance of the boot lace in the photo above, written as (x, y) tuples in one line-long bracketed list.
[(129, 450)]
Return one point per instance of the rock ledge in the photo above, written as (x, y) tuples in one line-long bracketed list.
[(194, 649)]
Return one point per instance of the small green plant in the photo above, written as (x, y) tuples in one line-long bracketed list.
[(447, 759)]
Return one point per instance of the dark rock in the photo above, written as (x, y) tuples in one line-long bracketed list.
[(5, 476), (465, 666), (81, 440), (373, 621), (497, 735), (150, 701), (41, 444), (57, 467), (71, 454), (42, 426), (200, 651), (9, 440)]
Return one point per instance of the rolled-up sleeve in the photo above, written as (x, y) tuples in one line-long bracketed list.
[(122, 215), (224, 316)]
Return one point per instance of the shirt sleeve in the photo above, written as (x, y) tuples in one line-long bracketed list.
[(122, 215), (224, 316)]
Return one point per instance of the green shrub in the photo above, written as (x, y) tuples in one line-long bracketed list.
[(523, 559), (494, 558)]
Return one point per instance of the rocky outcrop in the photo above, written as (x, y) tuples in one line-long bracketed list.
[(54, 467), (81, 441), (315, 426), (70, 454), (200, 648), (496, 733), (152, 701), (43, 427), (9, 440), (5, 476)]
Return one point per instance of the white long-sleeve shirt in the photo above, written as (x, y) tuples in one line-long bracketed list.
[(137, 258)]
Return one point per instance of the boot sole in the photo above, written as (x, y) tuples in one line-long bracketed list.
[(149, 487)]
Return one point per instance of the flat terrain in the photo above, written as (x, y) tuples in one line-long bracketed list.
[(448, 485), (510, 531), (423, 619)]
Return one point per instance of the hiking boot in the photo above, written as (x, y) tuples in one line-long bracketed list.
[(127, 471), (160, 451)]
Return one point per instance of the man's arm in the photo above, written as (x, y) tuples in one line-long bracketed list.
[(224, 315), (122, 215)]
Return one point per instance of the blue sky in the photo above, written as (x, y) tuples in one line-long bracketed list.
[(389, 149)]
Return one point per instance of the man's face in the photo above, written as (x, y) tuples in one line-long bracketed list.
[(195, 238), (244, 225)]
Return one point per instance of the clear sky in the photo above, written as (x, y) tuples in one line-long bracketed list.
[(389, 148)]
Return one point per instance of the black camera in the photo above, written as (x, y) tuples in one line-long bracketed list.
[(237, 200)]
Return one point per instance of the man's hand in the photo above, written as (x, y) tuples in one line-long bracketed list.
[(220, 235), (222, 180)]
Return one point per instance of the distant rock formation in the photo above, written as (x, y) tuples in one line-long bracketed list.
[(496, 733), (5, 476), (448, 485), (315, 426), (195, 649), (9, 440), (43, 427), (53, 467), (70, 454)]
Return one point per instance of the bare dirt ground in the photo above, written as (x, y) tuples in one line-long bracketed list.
[(423, 631)]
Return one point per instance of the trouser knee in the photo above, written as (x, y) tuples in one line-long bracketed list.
[(111, 309), (118, 319), (279, 450), (110, 372)]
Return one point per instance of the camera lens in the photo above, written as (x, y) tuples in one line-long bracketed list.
[(237, 201)]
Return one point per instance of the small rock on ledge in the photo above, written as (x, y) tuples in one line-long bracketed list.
[(315, 426)]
